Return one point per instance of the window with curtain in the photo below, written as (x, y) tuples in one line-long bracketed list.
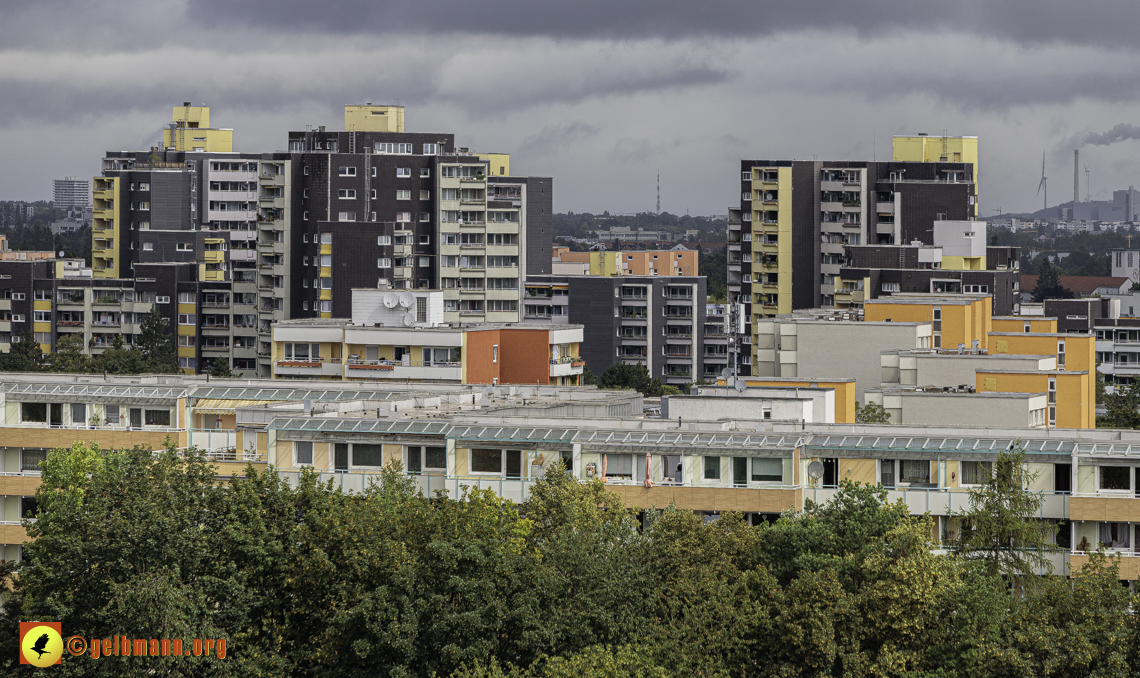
[(767, 470), (976, 472), (915, 472)]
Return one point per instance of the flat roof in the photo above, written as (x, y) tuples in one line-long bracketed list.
[(975, 394), (987, 371)]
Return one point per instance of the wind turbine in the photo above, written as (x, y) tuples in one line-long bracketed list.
[(1044, 185)]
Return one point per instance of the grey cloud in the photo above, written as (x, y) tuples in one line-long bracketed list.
[(553, 137), (1103, 22)]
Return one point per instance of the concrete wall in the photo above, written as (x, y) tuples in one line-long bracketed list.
[(786, 408), (957, 409)]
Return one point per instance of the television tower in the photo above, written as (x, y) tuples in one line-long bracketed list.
[(659, 191)]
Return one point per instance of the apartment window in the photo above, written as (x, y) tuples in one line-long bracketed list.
[(384, 262), (187, 319), (326, 260), (766, 470), (367, 455), (393, 149), (302, 351), (383, 240), (373, 171), (156, 417), (1061, 355), (495, 353), (148, 247), (305, 193), (305, 170), (346, 216), (374, 197), (187, 340), (42, 316), (429, 149), (426, 458), (891, 287), (620, 466), (305, 304), (188, 363), (162, 300), (403, 217), (346, 194), (914, 472), (1115, 478), (305, 217), (712, 468), (425, 195), (403, 195), (486, 461), (1052, 402), (41, 295), (403, 172), (1027, 327), (347, 171), (304, 453), (187, 297), (976, 472), (1114, 535)]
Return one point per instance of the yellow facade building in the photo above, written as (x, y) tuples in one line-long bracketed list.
[(190, 131), (960, 319), (373, 118), (1024, 324)]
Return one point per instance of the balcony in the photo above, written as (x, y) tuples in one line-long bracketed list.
[(330, 367), (564, 367), (409, 369)]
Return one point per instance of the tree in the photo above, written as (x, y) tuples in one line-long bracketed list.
[(68, 355), (634, 377), (1122, 407), (24, 354), (871, 413), (1001, 529), (156, 344), (119, 359), (220, 368), (1049, 284)]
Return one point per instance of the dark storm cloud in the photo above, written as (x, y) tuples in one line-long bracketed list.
[(1106, 22), (553, 137)]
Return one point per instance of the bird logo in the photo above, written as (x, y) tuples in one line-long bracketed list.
[(40, 643), (39, 647)]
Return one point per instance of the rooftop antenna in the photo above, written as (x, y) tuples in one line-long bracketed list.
[(1044, 185), (659, 191)]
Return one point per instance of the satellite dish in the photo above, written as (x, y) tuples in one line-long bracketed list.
[(726, 371), (815, 470), (408, 319), (406, 299), (61, 254), (391, 299), (741, 386)]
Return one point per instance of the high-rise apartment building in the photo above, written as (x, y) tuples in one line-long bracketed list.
[(787, 240), (271, 236), (71, 194)]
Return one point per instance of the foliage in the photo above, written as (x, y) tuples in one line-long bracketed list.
[(156, 344), (24, 355), (588, 378), (634, 377), (871, 413), (1122, 407), (305, 579), (1049, 284), (1001, 530), (714, 266), (220, 368), (68, 355)]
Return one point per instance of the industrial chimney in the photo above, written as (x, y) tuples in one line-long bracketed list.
[(1076, 178)]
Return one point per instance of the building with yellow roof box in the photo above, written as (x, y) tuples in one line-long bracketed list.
[(924, 148), (844, 391), (957, 319), (1023, 324), (1071, 401)]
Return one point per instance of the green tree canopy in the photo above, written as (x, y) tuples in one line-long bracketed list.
[(156, 344)]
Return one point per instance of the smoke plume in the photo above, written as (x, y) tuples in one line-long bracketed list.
[(1120, 132)]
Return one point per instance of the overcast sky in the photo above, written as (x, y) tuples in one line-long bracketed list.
[(599, 95)]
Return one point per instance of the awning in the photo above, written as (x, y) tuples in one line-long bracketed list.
[(226, 406)]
